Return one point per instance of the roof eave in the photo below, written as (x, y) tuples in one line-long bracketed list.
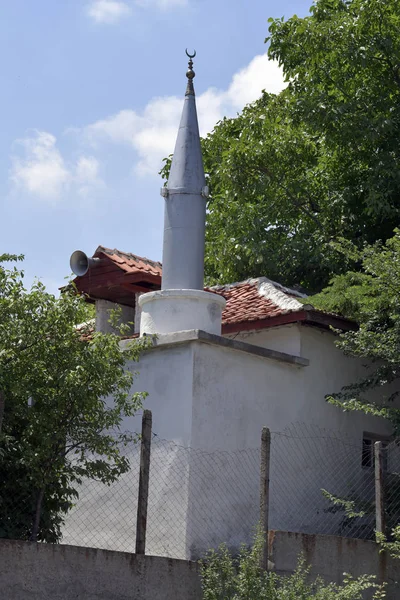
[(306, 317)]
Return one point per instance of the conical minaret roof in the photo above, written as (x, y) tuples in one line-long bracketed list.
[(187, 171)]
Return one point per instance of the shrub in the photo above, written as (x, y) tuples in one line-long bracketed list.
[(225, 577)]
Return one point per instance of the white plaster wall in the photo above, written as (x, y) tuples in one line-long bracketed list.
[(236, 394), (166, 374), (169, 311), (286, 338), (339, 469), (105, 516), (328, 372), (138, 312)]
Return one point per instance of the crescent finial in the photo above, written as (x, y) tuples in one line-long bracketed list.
[(190, 74)]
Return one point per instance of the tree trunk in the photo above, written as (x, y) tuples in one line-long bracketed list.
[(38, 514)]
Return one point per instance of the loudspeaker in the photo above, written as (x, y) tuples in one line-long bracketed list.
[(80, 263)]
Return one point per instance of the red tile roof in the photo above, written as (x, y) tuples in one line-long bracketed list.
[(251, 304), (257, 299), (259, 303), (130, 263), (119, 276)]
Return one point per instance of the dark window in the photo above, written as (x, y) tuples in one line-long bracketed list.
[(368, 450), (367, 459)]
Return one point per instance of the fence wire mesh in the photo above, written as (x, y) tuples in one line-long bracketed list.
[(199, 499), (318, 484), (391, 455), (321, 482), (104, 516), (196, 500)]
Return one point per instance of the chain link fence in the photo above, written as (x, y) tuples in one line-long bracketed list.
[(104, 516), (196, 500), (320, 482), (391, 504)]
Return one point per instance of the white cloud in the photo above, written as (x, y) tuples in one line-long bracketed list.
[(248, 83), (38, 166), (152, 132), (107, 11), (118, 128), (86, 175), (162, 4), (112, 11), (41, 170)]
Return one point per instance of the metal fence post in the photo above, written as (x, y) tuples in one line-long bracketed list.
[(379, 489), (2, 403), (264, 492), (144, 476)]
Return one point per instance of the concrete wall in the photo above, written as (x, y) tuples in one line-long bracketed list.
[(54, 572), (286, 338), (235, 394), (51, 572), (105, 517), (331, 556), (166, 373)]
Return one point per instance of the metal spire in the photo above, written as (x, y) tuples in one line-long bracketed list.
[(185, 202), (190, 74), (182, 303)]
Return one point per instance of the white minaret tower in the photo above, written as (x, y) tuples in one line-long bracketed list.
[(182, 303)]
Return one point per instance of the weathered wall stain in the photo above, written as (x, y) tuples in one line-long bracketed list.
[(332, 556)]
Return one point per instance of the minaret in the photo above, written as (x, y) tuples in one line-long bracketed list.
[(182, 303), (185, 203)]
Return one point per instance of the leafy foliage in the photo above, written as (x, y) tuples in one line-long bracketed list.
[(372, 297), (343, 64), (349, 507), (317, 162), (56, 425), (392, 546), (225, 578)]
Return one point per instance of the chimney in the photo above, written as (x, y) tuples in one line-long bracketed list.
[(182, 303)]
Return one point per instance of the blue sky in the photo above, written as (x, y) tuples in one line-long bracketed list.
[(91, 97)]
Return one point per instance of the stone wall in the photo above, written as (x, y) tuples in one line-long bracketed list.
[(331, 556), (55, 572)]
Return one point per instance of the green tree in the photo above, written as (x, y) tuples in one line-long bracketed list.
[(272, 207), (343, 64), (372, 298), (57, 425), (319, 161)]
